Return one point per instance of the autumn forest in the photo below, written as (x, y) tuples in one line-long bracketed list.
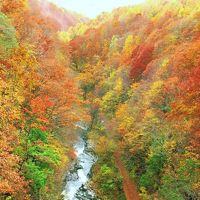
[(121, 92)]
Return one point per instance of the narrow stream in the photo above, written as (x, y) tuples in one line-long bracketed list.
[(76, 187)]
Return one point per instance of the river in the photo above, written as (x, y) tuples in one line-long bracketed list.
[(76, 185)]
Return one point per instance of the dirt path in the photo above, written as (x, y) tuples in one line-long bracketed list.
[(129, 187)]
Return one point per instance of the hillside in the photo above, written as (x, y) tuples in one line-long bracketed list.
[(38, 101), (139, 69), (130, 79)]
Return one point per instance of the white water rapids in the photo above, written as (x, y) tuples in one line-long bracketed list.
[(76, 187)]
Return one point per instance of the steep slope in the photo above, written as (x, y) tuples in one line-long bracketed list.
[(39, 100), (136, 71), (139, 71)]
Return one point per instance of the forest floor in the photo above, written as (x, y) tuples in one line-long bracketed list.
[(129, 186)]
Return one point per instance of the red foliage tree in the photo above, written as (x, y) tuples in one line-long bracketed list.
[(142, 56)]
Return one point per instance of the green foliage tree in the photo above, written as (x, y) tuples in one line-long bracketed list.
[(8, 39), (109, 181), (151, 178), (39, 160)]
